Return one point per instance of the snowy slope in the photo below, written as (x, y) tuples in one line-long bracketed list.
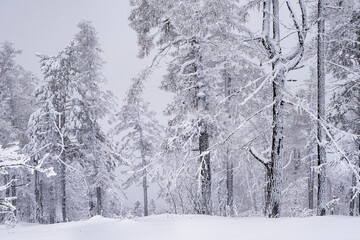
[(175, 227)]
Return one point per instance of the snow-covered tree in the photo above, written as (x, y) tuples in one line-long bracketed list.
[(190, 33), (92, 106), (10, 159), (17, 104), (281, 62), (343, 62), (49, 132), (72, 101), (140, 138)]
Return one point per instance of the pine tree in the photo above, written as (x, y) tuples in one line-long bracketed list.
[(186, 33), (17, 103), (343, 62), (141, 137), (94, 103), (49, 132)]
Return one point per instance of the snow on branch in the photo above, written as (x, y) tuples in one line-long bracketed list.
[(296, 55), (261, 159), (239, 127), (11, 158), (326, 127)]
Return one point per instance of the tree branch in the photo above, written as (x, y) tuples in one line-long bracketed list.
[(260, 158)]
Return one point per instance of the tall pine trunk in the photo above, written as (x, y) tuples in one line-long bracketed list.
[(321, 135), (229, 162), (203, 134), (95, 191)]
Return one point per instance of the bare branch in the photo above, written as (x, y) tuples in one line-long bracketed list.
[(260, 158)]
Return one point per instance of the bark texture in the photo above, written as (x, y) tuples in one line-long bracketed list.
[(321, 135)]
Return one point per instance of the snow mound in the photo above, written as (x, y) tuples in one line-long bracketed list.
[(191, 227)]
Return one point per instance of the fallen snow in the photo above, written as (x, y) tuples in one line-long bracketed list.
[(188, 227)]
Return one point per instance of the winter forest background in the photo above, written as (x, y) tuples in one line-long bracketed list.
[(232, 108)]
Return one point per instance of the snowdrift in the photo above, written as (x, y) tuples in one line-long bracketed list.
[(191, 227)]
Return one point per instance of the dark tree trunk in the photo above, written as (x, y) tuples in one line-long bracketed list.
[(63, 189), (201, 106), (98, 201), (311, 184), (144, 163), (37, 197), (6, 181), (145, 192), (230, 184), (205, 173), (321, 135), (274, 181), (352, 210), (229, 162)]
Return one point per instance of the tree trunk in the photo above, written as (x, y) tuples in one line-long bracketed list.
[(201, 105), (145, 187), (230, 183), (144, 163), (321, 135), (146, 211), (63, 190), (229, 162), (205, 174), (13, 193), (38, 207), (98, 201), (97, 188), (353, 199), (61, 185), (275, 167), (6, 181), (311, 184)]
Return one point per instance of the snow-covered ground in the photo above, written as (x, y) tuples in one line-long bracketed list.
[(176, 227)]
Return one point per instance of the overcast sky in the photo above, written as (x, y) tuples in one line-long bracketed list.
[(47, 26)]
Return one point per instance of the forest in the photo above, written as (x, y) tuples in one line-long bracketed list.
[(263, 120)]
